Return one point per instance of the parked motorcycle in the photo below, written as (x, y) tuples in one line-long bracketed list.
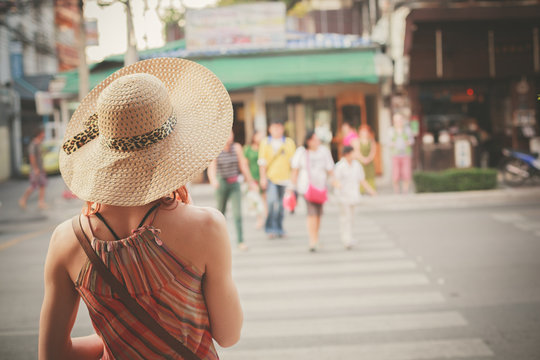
[(517, 167)]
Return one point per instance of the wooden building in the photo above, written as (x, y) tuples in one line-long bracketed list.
[(474, 70)]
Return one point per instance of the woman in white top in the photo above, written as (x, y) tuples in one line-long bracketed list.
[(312, 164)]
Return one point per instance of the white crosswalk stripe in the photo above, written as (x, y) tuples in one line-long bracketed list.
[(519, 221), (417, 350), (316, 270), (332, 304), (344, 325), (305, 258), (272, 286), (320, 303)]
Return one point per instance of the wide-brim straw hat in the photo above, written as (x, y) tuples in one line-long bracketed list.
[(145, 131)]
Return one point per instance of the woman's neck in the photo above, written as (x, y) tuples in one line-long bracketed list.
[(126, 210)]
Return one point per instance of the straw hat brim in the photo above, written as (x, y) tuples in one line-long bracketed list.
[(131, 178)]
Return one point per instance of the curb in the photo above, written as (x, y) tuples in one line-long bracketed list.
[(507, 196)]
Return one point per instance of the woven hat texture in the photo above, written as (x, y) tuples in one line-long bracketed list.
[(121, 166)]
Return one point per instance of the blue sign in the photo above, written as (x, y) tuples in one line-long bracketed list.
[(16, 59)]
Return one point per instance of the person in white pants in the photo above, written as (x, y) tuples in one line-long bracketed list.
[(348, 176)]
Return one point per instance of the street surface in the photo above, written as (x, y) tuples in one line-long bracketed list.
[(445, 276)]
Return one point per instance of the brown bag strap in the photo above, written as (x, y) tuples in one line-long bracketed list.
[(281, 151), (131, 304)]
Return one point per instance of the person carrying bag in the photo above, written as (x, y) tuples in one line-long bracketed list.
[(275, 154), (314, 194), (312, 165), (153, 269)]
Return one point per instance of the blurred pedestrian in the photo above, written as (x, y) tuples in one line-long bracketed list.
[(251, 152), (275, 154), (368, 149), (153, 270), (400, 141), (224, 173), (38, 177), (348, 176), (323, 132), (312, 165), (350, 136)]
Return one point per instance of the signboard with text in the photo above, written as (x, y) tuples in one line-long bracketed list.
[(245, 26), (463, 153)]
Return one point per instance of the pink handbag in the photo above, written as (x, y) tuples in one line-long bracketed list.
[(314, 194)]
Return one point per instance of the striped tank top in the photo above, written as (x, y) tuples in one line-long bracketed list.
[(227, 163), (167, 287)]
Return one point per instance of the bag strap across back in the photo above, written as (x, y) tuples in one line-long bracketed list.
[(278, 153), (308, 168), (131, 304)]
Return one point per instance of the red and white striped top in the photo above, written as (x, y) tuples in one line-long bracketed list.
[(167, 287)]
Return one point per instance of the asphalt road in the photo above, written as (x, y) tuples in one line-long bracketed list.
[(424, 282)]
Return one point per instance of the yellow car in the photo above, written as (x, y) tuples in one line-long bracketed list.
[(50, 150)]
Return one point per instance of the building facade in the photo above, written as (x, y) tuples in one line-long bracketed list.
[(27, 53), (473, 74)]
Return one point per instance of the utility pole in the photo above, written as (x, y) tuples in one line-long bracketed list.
[(131, 56), (81, 51)]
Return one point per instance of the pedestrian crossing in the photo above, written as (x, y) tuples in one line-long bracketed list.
[(415, 350), (375, 302), (520, 221)]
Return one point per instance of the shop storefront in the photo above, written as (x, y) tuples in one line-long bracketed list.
[(321, 108), (313, 89), (473, 79)]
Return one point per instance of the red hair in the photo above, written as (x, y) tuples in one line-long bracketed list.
[(179, 195)]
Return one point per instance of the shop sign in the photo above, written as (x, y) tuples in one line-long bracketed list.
[(463, 153), (16, 59), (244, 26), (44, 103), (92, 36)]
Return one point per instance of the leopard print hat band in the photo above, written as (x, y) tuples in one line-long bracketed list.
[(145, 131), (91, 132)]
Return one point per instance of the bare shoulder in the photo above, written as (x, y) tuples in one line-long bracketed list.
[(238, 147), (65, 251), (205, 220), (63, 238), (198, 224)]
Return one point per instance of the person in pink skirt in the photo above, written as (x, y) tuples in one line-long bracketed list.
[(400, 142)]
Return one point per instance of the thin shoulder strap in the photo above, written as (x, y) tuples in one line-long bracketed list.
[(131, 304), (148, 214), (307, 166), (100, 217)]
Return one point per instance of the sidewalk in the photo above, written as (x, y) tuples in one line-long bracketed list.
[(388, 201), (203, 194)]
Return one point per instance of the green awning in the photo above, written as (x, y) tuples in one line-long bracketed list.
[(72, 79), (243, 72), (297, 69)]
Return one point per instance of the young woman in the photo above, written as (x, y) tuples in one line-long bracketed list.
[(223, 174), (367, 149), (312, 164), (400, 142), (131, 146)]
